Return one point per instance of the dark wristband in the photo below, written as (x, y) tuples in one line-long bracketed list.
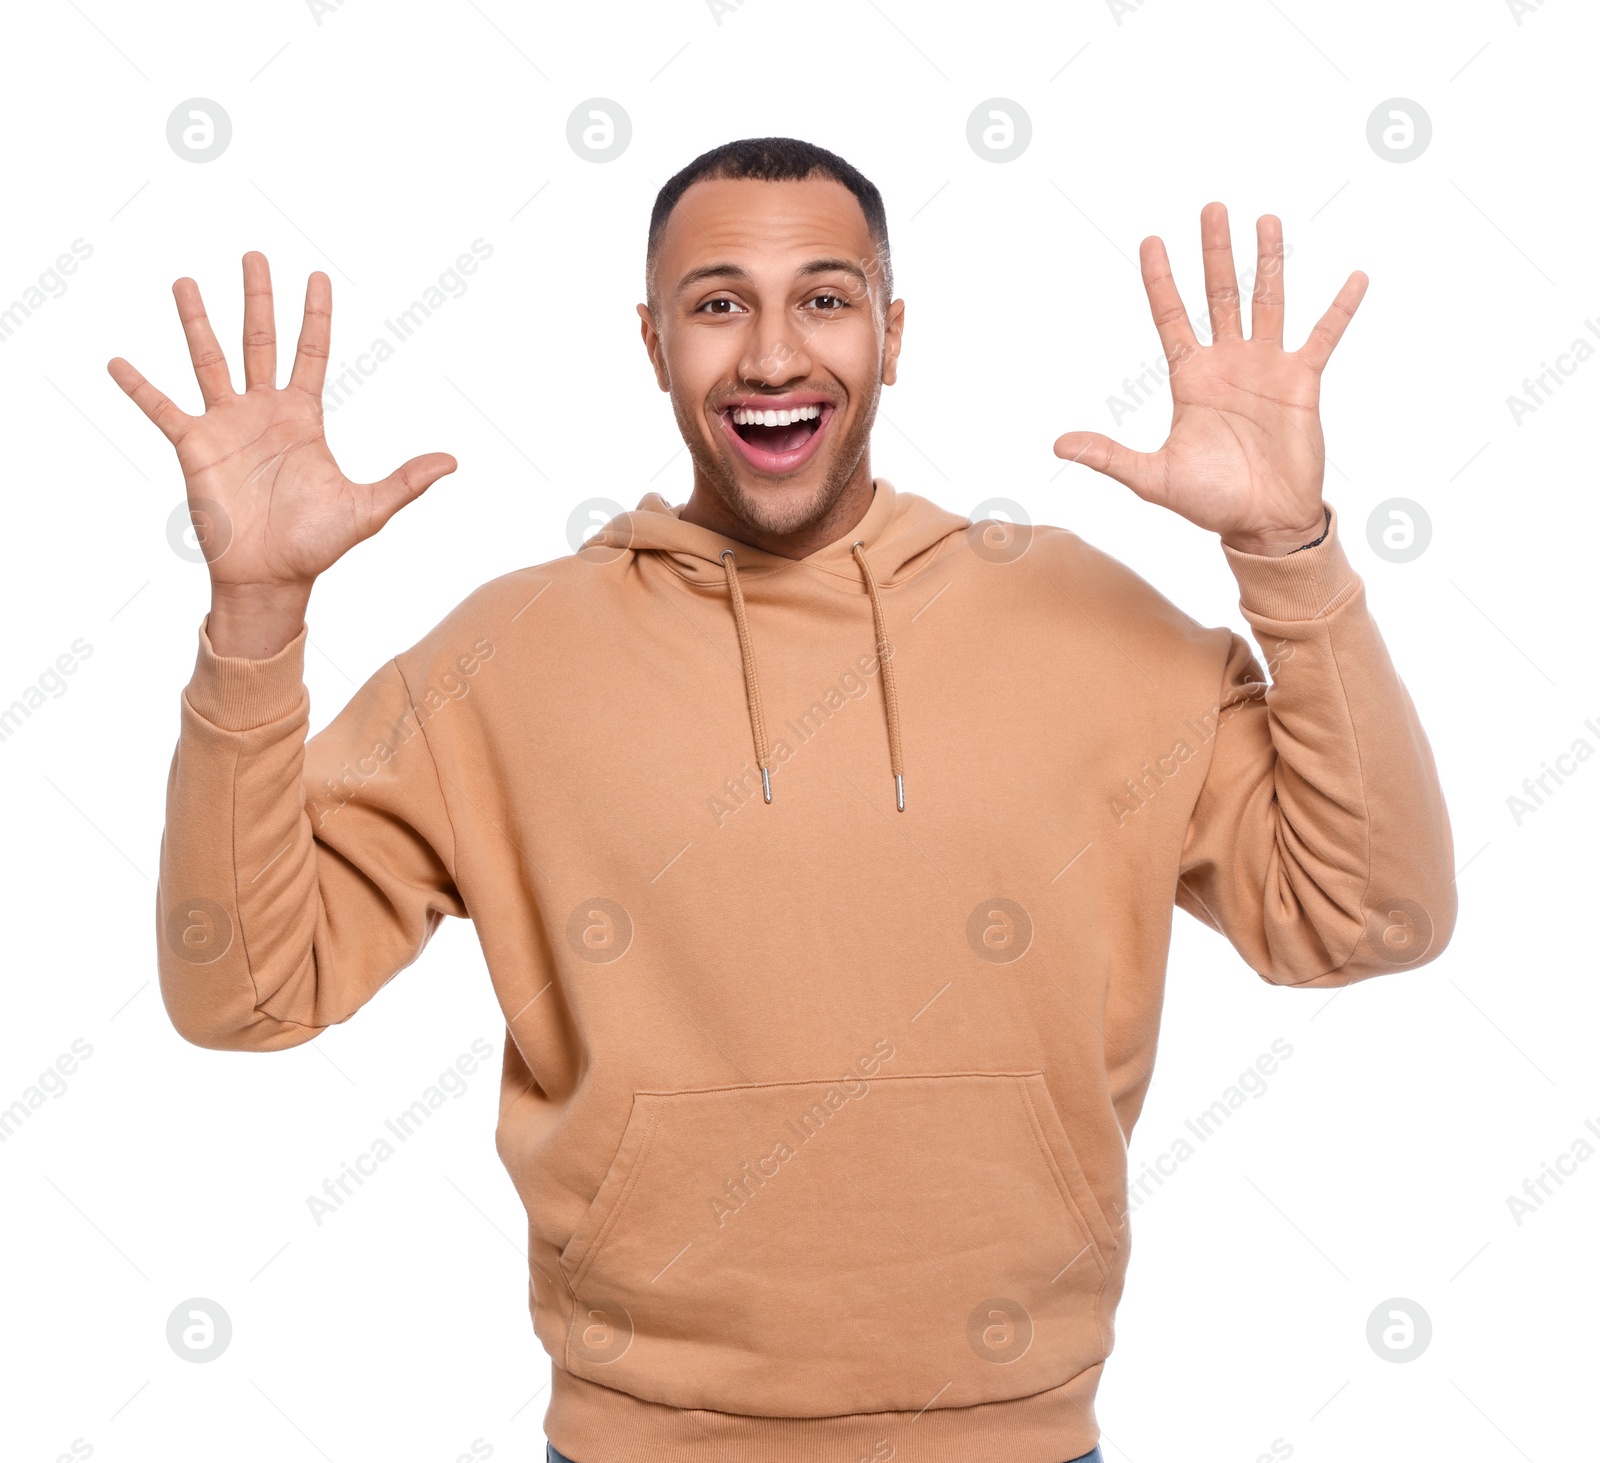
[(1327, 524)]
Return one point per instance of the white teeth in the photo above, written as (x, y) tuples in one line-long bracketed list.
[(749, 417)]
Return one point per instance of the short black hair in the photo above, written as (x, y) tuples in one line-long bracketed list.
[(773, 160)]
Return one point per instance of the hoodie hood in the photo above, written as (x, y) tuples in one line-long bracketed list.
[(900, 534), (899, 537)]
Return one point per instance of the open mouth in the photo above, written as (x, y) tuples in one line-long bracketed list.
[(773, 439)]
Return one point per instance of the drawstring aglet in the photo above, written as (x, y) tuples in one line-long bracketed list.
[(766, 784), (899, 793)]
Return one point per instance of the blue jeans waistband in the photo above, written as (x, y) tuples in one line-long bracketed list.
[(552, 1456)]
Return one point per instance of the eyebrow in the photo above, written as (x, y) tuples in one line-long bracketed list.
[(730, 271)]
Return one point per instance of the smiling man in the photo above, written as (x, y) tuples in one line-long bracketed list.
[(822, 845), (771, 323)]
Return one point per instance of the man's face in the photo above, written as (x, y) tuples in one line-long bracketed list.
[(769, 298)]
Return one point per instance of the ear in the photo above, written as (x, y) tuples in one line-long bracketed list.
[(893, 329), (653, 347)]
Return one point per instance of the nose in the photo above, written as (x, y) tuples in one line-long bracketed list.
[(776, 355)]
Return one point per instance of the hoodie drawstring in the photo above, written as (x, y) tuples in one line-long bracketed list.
[(891, 701), (752, 686)]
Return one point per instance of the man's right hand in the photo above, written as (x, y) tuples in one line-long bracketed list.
[(256, 465)]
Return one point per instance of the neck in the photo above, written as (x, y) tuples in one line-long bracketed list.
[(707, 508)]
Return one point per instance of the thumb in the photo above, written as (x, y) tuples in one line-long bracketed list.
[(409, 481), (1137, 470)]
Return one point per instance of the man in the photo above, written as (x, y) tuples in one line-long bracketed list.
[(822, 845)]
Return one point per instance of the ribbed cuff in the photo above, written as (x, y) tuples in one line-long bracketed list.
[(237, 693), (1298, 586)]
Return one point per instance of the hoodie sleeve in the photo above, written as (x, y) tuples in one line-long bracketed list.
[(1320, 844), (296, 877)]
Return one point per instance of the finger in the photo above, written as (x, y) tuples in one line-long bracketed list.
[(407, 482), (1222, 285), (1166, 306), (1325, 334), (316, 331), (154, 404), (210, 365), (260, 329), (1140, 471), (1266, 300)]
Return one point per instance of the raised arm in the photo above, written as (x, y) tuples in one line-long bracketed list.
[(295, 879), (1320, 844)]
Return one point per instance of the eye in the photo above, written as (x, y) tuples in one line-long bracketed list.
[(713, 307), (838, 301)]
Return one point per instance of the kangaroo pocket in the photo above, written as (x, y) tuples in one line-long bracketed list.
[(808, 1249)]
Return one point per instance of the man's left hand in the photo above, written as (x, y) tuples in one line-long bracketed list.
[(1244, 456)]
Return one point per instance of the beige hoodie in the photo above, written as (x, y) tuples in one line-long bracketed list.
[(818, 1107)]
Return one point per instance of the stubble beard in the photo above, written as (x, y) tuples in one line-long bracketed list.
[(780, 513)]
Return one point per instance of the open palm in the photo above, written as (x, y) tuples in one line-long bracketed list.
[(1244, 455), (271, 505)]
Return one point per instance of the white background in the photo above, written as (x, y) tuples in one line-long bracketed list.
[(377, 144)]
